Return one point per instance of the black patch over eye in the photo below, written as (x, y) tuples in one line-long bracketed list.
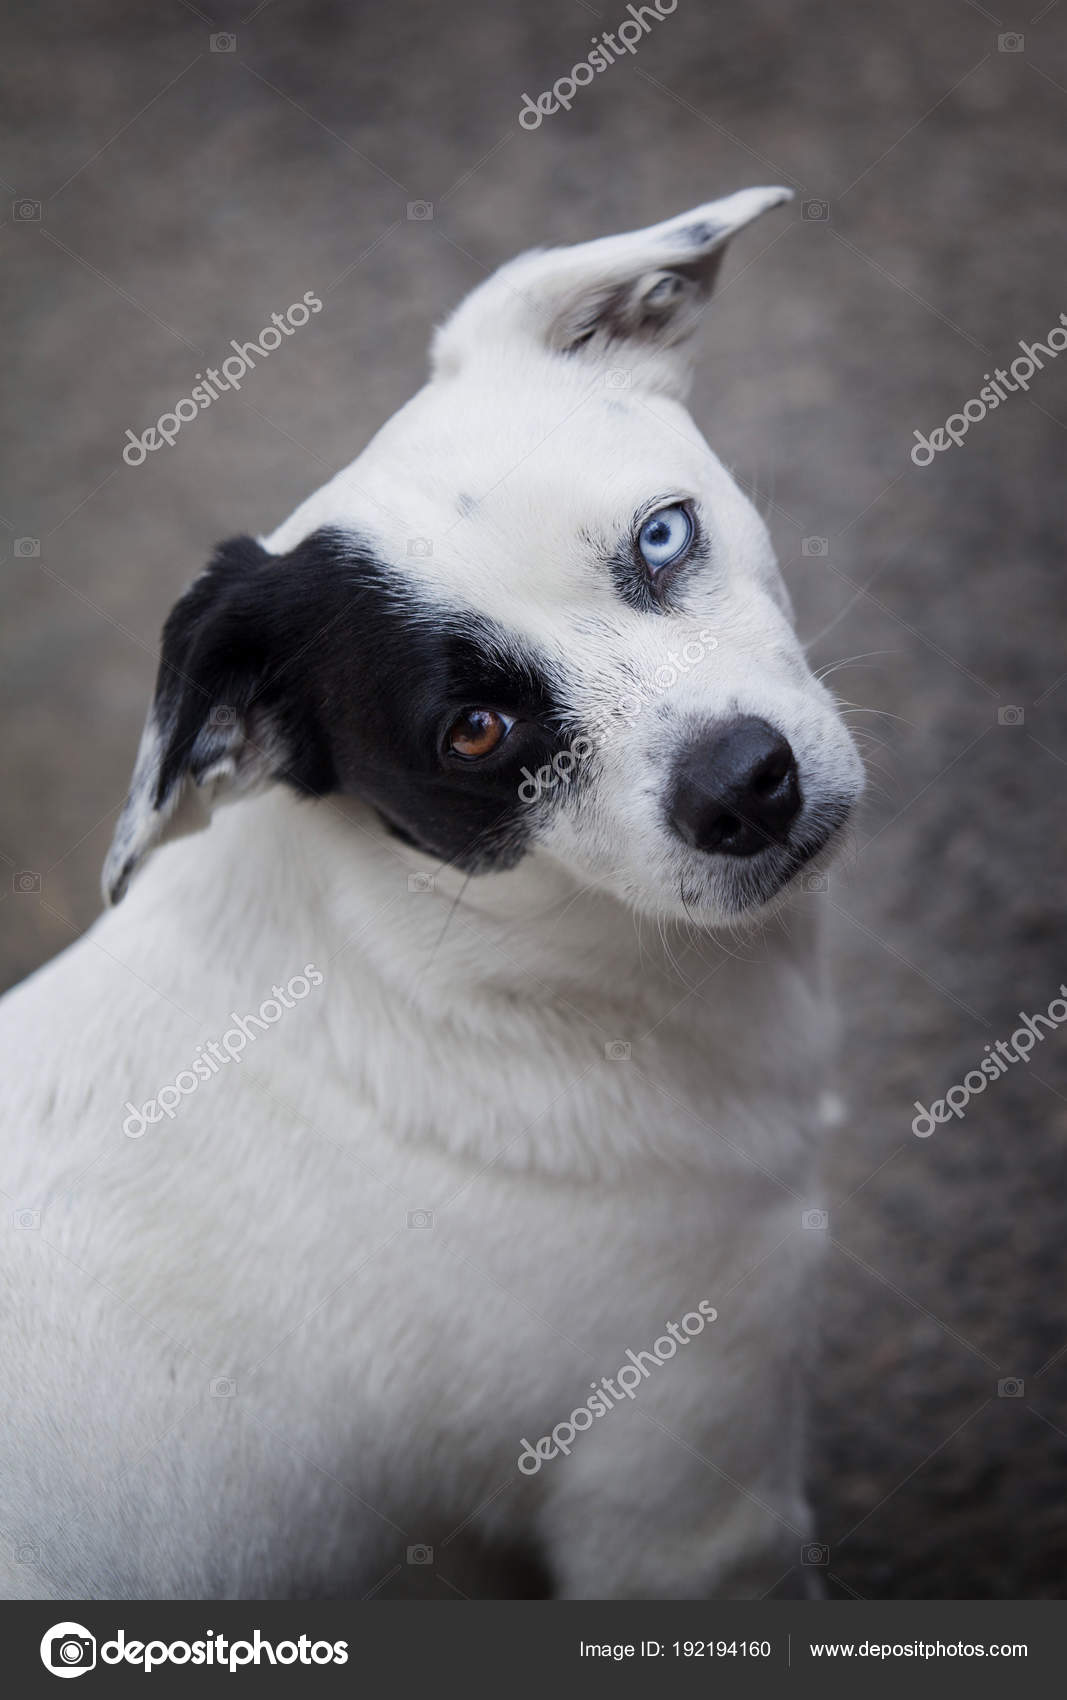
[(339, 679), (477, 732)]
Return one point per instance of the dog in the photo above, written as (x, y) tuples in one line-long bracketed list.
[(407, 1177)]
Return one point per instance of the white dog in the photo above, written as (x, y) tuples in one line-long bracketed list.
[(377, 1126)]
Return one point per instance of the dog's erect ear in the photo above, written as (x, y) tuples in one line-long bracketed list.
[(229, 715), (628, 300)]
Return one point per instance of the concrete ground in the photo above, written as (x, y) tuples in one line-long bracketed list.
[(186, 194)]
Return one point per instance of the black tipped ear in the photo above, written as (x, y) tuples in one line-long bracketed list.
[(230, 714), (635, 298)]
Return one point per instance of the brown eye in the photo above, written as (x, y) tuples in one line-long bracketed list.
[(477, 732)]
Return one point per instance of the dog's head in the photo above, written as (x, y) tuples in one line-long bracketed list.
[(535, 617)]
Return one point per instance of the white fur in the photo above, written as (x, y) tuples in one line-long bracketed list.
[(454, 1060)]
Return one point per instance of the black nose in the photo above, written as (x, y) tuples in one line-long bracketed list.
[(736, 789)]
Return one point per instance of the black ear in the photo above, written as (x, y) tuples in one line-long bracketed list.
[(231, 714)]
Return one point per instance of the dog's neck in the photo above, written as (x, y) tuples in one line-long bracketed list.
[(429, 929), (499, 986)]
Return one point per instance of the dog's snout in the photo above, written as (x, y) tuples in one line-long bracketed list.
[(736, 789)]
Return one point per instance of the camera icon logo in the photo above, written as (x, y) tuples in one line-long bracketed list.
[(420, 211), (815, 882), (1011, 42), (26, 212), (26, 1218), (224, 43), (618, 378), (1012, 1387), (68, 1649), (25, 882), (420, 546), (27, 548), (223, 1387), (617, 1050), (814, 1552), (421, 1218), (816, 1220), (1010, 715), (420, 1554), (420, 882), (817, 546), (223, 715), (27, 1553), (817, 211)]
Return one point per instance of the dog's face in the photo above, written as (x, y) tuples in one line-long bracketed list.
[(536, 616)]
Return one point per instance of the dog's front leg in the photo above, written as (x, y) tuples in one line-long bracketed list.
[(659, 1504), (724, 1545)]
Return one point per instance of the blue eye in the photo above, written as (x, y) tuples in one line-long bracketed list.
[(664, 537)]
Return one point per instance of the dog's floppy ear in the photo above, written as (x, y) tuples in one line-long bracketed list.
[(229, 714), (628, 300)]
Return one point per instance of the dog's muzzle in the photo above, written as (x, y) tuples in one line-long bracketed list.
[(736, 790)]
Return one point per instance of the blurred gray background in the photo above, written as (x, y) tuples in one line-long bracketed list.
[(186, 194)]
